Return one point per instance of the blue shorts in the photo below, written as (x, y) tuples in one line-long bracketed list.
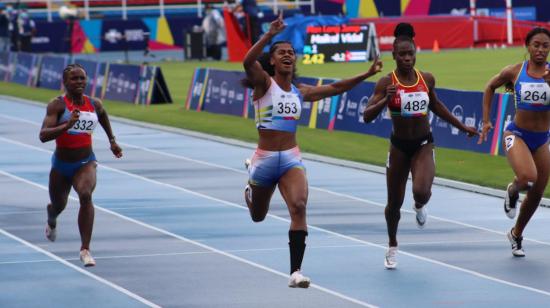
[(267, 167), (533, 140), (68, 170)]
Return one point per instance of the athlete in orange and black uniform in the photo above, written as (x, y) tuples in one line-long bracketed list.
[(70, 120), (409, 94)]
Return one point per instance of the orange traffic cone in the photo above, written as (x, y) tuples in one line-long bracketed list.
[(436, 47)]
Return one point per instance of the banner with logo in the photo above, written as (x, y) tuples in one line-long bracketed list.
[(26, 69), (308, 107), (51, 72), (197, 88), (118, 35), (51, 37), (224, 93), (7, 65), (122, 82)]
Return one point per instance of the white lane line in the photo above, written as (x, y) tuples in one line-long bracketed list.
[(343, 195), (80, 270), (151, 227), (235, 205)]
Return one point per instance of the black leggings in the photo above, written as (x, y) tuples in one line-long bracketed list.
[(410, 147)]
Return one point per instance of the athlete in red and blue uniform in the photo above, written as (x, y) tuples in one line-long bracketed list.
[(526, 137), (70, 120), (277, 160), (408, 94)]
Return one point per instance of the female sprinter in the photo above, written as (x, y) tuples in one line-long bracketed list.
[(526, 137), (409, 94), (277, 161), (70, 120)]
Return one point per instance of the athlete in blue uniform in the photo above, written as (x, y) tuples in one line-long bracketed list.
[(526, 138), (277, 161)]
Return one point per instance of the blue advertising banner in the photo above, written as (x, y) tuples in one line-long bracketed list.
[(146, 83), (51, 37), (225, 94), (349, 115), (26, 69), (326, 109), (307, 107), (197, 89), (7, 66), (91, 68), (100, 80), (124, 35), (466, 106), (51, 72), (122, 82)]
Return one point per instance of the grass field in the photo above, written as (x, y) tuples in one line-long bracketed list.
[(458, 69)]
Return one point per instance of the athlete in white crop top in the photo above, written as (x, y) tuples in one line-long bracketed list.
[(525, 140), (277, 162)]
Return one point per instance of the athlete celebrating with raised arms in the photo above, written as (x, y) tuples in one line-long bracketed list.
[(525, 139), (409, 94), (70, 120), (277, 160)]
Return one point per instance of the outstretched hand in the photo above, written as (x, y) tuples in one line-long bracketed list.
[(376, 67), (278, 25), (487, 126), (471, 131)]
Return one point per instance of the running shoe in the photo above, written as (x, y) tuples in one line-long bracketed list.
[(247, 163), (510, 203), (51, 233), (517, 250), (390, 260), (297, 280), (421, 216), (87, 258)]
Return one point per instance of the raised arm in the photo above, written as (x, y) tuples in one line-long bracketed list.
[(50, 129), (254, 71), (441, 110), (505, 76), (103, 119), (312, 94), (383, 93)]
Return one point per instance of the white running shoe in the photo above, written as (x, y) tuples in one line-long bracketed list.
[(297, 280), (510, 203), (517, 250), (86, 258), (247, 163), (390, 260), (421, 216), (51, 233)]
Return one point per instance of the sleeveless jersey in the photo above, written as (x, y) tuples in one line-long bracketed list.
[(80, 135), (531, 93), (278, 109), (410, 101)]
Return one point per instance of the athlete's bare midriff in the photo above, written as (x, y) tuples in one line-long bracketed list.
[(273, 140)]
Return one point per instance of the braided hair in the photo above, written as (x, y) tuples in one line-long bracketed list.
[(71, 67)]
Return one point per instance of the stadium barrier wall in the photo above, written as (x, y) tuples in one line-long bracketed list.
[(138, 84), (220, 91)]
